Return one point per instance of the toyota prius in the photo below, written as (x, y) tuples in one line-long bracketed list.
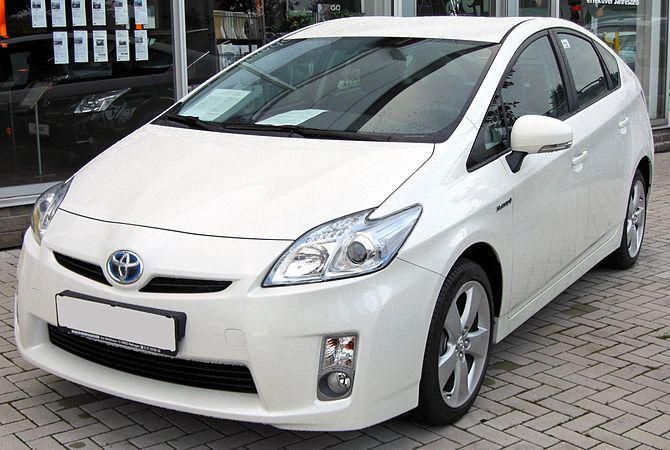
[(337, 228)]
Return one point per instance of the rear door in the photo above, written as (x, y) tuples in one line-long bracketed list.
[(601, 110)]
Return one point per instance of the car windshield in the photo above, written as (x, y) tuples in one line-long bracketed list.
[(346, 88)]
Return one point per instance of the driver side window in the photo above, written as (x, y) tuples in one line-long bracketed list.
[(532, 86)]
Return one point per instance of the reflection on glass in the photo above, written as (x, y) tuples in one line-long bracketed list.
[(55, 117), (534, 8), (384, 88), (454, 7)]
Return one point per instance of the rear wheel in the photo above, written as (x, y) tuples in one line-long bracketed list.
[(633, 230), (458, 346)]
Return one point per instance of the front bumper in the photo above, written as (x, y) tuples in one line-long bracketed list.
[(278, 332)]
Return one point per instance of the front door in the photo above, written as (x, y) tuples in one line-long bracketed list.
[(550, 198)]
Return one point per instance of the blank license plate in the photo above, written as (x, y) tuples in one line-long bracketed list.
[(141, 328)]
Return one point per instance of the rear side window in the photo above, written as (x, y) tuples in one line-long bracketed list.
[(612, 67), (587, 73)]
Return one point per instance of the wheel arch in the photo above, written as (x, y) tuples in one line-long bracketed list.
[(485, 256), (645, 167)]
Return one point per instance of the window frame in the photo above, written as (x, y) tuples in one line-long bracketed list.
[(603, 51), (567, 83), (603, 68)]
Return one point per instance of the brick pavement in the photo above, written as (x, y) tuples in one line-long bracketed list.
[(591, 370)]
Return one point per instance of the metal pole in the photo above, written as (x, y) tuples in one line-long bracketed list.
[(11, 121), (180, 62), (39, 148)]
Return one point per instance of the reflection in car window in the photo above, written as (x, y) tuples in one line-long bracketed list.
[(492, 139), (612, 67), (534, 84), (585, 67), (398, 88)]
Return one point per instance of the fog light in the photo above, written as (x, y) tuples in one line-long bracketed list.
[(339, 383), (338, 366)]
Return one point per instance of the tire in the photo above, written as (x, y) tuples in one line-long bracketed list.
[(442, 398), (633, 228)]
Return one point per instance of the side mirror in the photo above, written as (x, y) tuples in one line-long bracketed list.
[(537, 134), (540, 134)]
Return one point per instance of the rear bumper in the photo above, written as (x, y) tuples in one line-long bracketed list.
[(282, 328)]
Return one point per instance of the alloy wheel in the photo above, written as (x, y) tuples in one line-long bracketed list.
[(464, 344), (636, 218)]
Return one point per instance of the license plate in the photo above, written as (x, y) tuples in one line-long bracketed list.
[(147, 329)]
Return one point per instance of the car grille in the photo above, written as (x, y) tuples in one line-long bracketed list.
[(223, 377), (88, 270), (157, 285)]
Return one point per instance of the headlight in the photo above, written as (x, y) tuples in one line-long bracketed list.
[(346, 247), (45, 208), (98, 102)]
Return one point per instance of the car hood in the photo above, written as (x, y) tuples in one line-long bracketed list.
[(238, 185)]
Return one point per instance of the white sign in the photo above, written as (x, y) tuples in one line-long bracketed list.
[(294, 117), (614, 2), (58, 13), (80, 39), (61, 55), (120, 12), (215, 103), (566, 44), (122, 45), (141, 16), (79, 13), (38, 13), (141, 45), (99, 45), (98, 12)]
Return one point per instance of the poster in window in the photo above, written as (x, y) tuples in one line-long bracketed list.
[(122, 45), (120, 12), (98, 12), (61, 55), (80, 38), (58, 13), (79, 13), (141, 45), (99, 45), (38, 13), (141, 17)]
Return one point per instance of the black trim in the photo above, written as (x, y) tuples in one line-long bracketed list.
[(186, 372), (178, 317), (85, 269), (169, 285)]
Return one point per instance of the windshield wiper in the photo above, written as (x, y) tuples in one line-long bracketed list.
[(190, 122), (297, 130)]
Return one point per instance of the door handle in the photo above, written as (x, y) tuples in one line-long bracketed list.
[(623, 123), (577, 160)]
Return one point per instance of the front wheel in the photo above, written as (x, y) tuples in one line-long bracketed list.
[(633, 229), (458, 345)]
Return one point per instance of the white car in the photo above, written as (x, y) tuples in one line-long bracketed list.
[(337, 228)]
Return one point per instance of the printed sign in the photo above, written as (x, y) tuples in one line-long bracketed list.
[(98, 12), (120, 12), (215, 103), (122, 45), (79, 13), (566, 44), (99, 46), (295, 117), (58, 13), (80, 39), (141, 16), (38, 13), (141, 45), (61, 55)]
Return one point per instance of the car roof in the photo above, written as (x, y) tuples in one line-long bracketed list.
[(482, 29)]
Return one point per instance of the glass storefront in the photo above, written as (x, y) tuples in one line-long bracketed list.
[(77, 75), (637, 31)]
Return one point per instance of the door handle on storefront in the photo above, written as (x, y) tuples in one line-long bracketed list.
[(623, 123), (579, 159)]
